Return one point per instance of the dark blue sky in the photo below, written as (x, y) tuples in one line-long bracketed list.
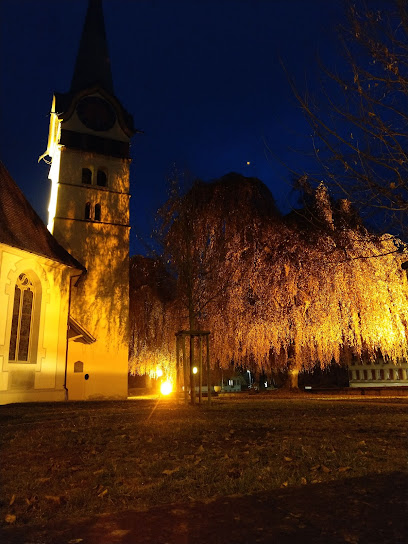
[(201, 78)]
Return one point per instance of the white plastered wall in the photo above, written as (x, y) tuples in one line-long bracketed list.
[(46, 372)]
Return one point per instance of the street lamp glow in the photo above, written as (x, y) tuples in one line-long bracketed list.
[(195, 370), (159, 372), (166, 388)]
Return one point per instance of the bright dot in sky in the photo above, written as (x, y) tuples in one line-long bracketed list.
[(166, 388), (248, 163)]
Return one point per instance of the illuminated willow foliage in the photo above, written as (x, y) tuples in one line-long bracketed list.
[(311, 287)]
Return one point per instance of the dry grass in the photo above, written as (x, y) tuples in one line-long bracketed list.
[(72, 460)]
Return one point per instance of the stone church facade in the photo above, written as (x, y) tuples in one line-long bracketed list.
[(64, 309)]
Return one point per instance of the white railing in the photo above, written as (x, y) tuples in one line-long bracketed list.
[(378, 374)]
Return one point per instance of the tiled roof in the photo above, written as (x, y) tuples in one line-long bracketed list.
[(22, 228)]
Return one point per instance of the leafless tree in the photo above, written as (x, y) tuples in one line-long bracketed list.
[(359, 119)]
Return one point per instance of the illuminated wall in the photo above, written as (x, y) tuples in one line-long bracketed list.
[(89, 216), (40, 375)]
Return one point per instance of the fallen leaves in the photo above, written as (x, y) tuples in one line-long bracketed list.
[(43, 480), (31, 501), (101, 491), (55, 499), (169, 472), (179, 462), (327, 470), (234, 473)]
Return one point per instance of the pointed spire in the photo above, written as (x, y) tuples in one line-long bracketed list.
[(92, 64)]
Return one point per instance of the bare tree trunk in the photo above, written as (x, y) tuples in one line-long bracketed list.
[(293, 378), (292, 374)]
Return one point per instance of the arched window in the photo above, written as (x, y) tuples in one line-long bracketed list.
[(86, 176), (22, 321), (97, 212), (78, 366), (101, 178), (88, 210)]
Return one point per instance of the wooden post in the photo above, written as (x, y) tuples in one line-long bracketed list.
[(200, 371), (208, 369), (192, 380), (177, 365), (183, 345)]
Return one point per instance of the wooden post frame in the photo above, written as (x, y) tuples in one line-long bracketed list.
[(192, 377), (200, 370), (185, 382), (208, 370), (188, 366), (177, 365)]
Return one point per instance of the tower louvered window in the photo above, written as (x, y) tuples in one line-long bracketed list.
[(101, 178), (86, 176), (97, 212)]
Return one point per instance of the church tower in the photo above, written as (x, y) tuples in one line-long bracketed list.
[(88, 143)]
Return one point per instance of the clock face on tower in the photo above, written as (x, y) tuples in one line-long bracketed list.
[(95, 113)]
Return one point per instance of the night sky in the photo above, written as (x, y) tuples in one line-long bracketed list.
[(202, 79)]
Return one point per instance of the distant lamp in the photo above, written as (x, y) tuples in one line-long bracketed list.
[(248, 163), (159, 372), (195, 370), (166, 388)]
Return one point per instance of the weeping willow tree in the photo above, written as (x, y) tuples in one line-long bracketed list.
[(276, 292), (152, 302)]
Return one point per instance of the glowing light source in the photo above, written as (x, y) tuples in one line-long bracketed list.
[(53, 176), (166, 388), (195, 370), (159, 372)]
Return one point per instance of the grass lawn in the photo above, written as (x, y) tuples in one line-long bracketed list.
[(61, 461)]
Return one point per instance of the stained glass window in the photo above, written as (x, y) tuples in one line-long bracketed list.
[(21, 324)]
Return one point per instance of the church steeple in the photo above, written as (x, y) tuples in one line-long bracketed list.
[(92, 66), (88, 143)]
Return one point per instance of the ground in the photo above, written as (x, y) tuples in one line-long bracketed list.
[(260, 468)]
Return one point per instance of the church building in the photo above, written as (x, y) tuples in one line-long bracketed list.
[(64, 293)]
